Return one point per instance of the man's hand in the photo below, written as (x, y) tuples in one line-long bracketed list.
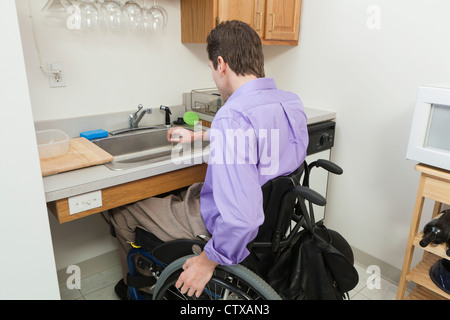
[(180, 134), (197, 272)]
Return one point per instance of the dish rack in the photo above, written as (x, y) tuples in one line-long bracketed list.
[(207, 101)]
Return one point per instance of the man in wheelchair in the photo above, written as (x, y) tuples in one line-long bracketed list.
[(259, 134)]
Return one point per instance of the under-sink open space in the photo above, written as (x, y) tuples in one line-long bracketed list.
[(143, 147)]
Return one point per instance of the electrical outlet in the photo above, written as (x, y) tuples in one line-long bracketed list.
[(85, 202), (56, 76)]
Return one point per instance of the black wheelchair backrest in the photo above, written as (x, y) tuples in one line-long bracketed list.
[(277, 205)]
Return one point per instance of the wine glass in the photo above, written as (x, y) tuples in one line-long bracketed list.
[(88, 15), (144, 15), (154, 17), (166, 16), (60, 13), (132, 15), (111, 12), (56, 7)]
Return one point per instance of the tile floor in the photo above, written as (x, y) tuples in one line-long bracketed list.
[(100, 286)]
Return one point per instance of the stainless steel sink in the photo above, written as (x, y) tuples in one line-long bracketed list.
[(141, 147)]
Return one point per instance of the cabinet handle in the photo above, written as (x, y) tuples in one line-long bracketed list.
[(260, 20), (273, 22), (217, 21)]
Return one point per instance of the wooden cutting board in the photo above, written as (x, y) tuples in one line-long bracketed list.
[(82, 153)]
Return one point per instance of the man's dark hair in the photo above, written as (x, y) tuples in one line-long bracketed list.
[(239, 46)]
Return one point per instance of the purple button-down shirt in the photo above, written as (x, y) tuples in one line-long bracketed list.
[(259, 134)]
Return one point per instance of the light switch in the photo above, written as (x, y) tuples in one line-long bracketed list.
[(85, 202)]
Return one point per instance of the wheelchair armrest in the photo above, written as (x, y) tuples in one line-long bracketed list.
[(310, 195), (327, 165)]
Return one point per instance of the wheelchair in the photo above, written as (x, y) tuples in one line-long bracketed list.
[(154, 266)]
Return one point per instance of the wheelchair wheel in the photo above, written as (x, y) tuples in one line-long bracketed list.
[(228, 283)]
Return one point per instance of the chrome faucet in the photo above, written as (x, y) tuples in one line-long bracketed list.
[(135, 117)]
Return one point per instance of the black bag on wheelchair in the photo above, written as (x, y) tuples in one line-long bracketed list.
[(320, 265)]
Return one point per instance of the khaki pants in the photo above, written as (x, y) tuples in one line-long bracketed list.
[(168, 218)]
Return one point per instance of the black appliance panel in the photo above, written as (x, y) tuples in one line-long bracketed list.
[(321, 136)]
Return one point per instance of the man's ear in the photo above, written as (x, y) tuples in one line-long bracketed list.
[(221, 65)]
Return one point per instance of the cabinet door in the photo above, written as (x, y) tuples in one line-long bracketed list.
[(249, 11), (198, 18), (283, 19)]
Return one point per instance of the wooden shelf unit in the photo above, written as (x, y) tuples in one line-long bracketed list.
[(422, 293), (434, 185)]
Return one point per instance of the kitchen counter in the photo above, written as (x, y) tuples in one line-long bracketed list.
[(68, 184), (314, 115), (58, 188), (318, 115)]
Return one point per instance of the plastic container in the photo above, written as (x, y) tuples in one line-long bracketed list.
[(52, 143)]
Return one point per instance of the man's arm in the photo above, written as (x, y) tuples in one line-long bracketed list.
[(238, 201)]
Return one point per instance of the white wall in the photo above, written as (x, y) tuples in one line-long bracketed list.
[(27, 264), (106, 71), (370, 78)]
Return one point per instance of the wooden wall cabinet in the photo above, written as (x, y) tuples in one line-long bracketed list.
[(276, 21)]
